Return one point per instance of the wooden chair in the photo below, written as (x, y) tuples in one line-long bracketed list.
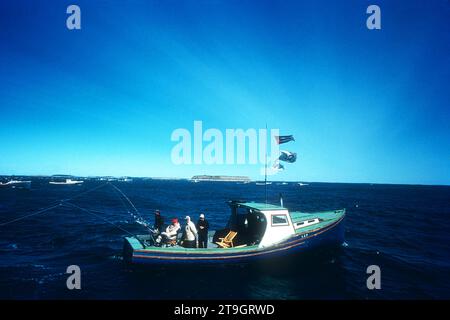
[(172, 242), (227, 242)]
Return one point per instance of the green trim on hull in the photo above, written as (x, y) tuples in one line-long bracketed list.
[(326, 218)]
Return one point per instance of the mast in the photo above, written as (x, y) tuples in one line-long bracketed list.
[(265, 169)]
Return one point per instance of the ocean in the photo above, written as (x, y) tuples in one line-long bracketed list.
[(403, 229)]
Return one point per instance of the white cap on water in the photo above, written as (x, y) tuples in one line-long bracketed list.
[(202, 215)]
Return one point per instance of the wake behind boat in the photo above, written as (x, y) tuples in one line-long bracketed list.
[(254, 231)]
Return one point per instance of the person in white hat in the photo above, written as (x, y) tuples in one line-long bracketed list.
[(202, 227), (190, 234)]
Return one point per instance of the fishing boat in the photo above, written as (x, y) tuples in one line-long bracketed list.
[(254, 231), (263, 183), (67, 182), (16, 184)]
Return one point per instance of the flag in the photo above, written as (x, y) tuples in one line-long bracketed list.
[(287, 156), (284, 139), (278, 166)]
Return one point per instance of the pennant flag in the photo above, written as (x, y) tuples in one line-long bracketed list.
[(278, 166), (288, 156), (284, 139)]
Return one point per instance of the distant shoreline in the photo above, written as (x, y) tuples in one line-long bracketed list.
[(221, 178), (9, 176)]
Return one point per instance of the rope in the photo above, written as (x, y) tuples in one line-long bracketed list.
[(98, 216)]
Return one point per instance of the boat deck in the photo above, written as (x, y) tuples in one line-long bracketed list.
[(325, 218), (139, 244)]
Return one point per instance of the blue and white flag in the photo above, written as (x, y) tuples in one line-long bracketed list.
[(278, 166), (284, 139), (287, 156)]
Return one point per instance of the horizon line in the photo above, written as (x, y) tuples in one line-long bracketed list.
[(190, 178)]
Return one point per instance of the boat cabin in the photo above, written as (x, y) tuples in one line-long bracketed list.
[(259, 224)]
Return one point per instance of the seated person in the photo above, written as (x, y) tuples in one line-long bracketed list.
[(171, 232)]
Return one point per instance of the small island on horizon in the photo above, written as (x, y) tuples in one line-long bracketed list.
[(221, 178)]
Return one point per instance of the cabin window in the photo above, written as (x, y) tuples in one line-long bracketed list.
[(280, 220)]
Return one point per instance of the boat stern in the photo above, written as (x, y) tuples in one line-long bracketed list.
[(130, 244)]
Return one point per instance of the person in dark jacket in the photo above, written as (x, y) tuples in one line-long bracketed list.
[(202, 228), (159, 221)]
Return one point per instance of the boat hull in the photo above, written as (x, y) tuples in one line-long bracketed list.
[(332, 234), (17, 184)]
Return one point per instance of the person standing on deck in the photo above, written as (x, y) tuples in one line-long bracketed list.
[(159, 221), (202, 227), (190, 234)]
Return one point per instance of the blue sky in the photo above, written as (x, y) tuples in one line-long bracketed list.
[(364, 106)]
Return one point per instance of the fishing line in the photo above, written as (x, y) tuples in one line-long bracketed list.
[(123, 204), (129, 201), (98, 216), (51, 206), (121, 201), (31, 214), (140, 219), (84, 192), (79, 194), (64, 202)]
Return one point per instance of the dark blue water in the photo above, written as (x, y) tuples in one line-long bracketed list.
[(403, 229)]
